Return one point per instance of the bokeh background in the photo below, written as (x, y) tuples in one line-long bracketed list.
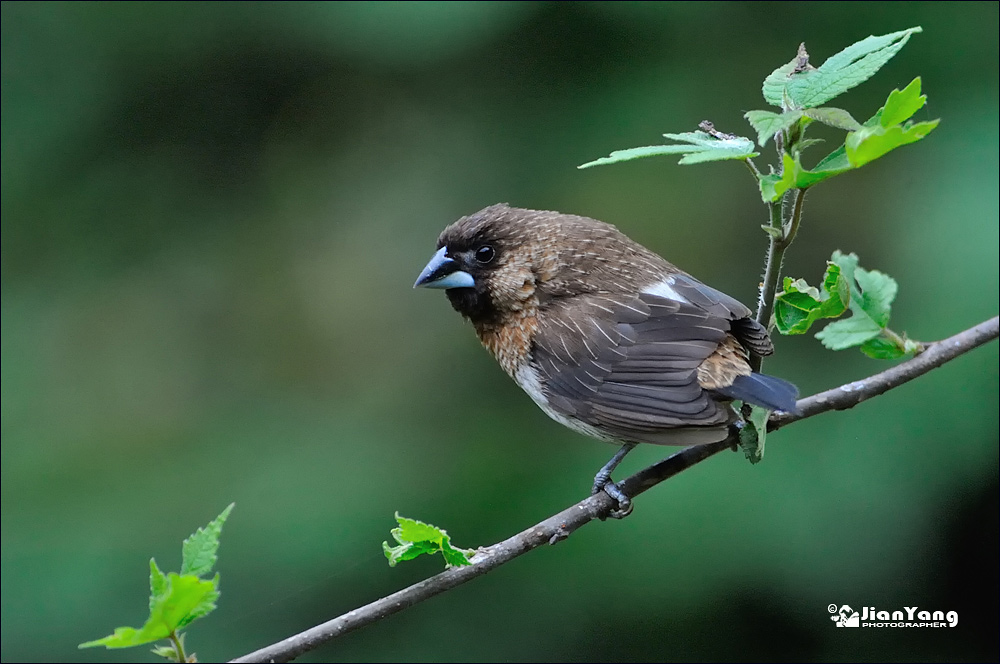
[(212, 217)]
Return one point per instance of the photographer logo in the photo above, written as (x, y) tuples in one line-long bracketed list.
[(908, 616)]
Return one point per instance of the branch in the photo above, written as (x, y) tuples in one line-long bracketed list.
[(559, 527)]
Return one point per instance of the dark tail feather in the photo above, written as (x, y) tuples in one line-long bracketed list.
[(767, 391)]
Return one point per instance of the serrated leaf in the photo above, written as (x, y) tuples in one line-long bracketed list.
[(753, 434), (704, 147), (853, 331), (171, 610), (881, 348), (833, 117), (158, 584), (767, 124), (870, 143), (870, 308), (878, 290), (454, 557), (774, 85), (188, 594), (902, 104), (176, 599), (406, 551), (883, 132), (416, 538), (867, 293), (200, 549), (774, 186), (696, 146), (205, 605), (841, 72), (166, 652), (799, 305), (847, 263)]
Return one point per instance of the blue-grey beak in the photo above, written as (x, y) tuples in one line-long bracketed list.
[(443, 272)]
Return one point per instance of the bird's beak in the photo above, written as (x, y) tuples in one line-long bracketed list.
[(443, 272)]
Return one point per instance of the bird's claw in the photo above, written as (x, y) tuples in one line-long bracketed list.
[(624, 502)]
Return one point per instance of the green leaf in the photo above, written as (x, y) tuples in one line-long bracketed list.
[(166, 652), (872, 294), (186, 598), (853, 331), (834, 117), (774, 85), (753, 434), (767, 124), (807, 143), (176, 599), (884, 131), (416, 538), (158, 584), (203, 605), (696, 146), (902, 104), (199, 550), (864, 144), (881, 348), (841, 72), (878, 292), (869, 144), (773, 186), (799, 305), (772, 231), (834, 163)]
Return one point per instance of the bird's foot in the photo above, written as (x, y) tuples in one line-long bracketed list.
[(602, 482), (615, 492)]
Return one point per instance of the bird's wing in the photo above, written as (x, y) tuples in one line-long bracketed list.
[(628, 364), (751, 334)]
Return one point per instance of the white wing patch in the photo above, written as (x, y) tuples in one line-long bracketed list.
[(665, 289)]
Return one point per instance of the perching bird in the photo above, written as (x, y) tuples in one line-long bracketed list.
[(605, 336)]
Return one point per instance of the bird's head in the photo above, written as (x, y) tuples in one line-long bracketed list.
[(491, 263), (503, 261)]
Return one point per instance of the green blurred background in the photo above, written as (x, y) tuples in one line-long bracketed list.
[(212, 217)]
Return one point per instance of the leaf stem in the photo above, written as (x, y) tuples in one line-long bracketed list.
[(178, 646), (792, 228)]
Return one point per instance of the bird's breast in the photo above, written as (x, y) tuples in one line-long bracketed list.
[(510, 342)]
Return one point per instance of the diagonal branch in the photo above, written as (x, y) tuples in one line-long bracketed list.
[(559, 526)]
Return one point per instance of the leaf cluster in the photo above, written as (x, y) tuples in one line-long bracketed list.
[(800, 90), (867, 294), (415, 538), (176, 599)]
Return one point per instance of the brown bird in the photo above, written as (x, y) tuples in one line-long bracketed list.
[(605, 336)]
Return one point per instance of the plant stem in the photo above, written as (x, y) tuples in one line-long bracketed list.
[(178, 646), (776, 254)]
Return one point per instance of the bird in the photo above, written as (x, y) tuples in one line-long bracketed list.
[(605, 336)]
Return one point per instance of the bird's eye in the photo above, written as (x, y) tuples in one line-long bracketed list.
[(485, 254)]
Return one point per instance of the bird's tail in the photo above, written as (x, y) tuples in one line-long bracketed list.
[(762, 390)]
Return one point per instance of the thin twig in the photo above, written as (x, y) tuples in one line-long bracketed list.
[(776, 255), (559, 527)]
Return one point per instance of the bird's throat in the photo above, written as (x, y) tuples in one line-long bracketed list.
[(509, 342)]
